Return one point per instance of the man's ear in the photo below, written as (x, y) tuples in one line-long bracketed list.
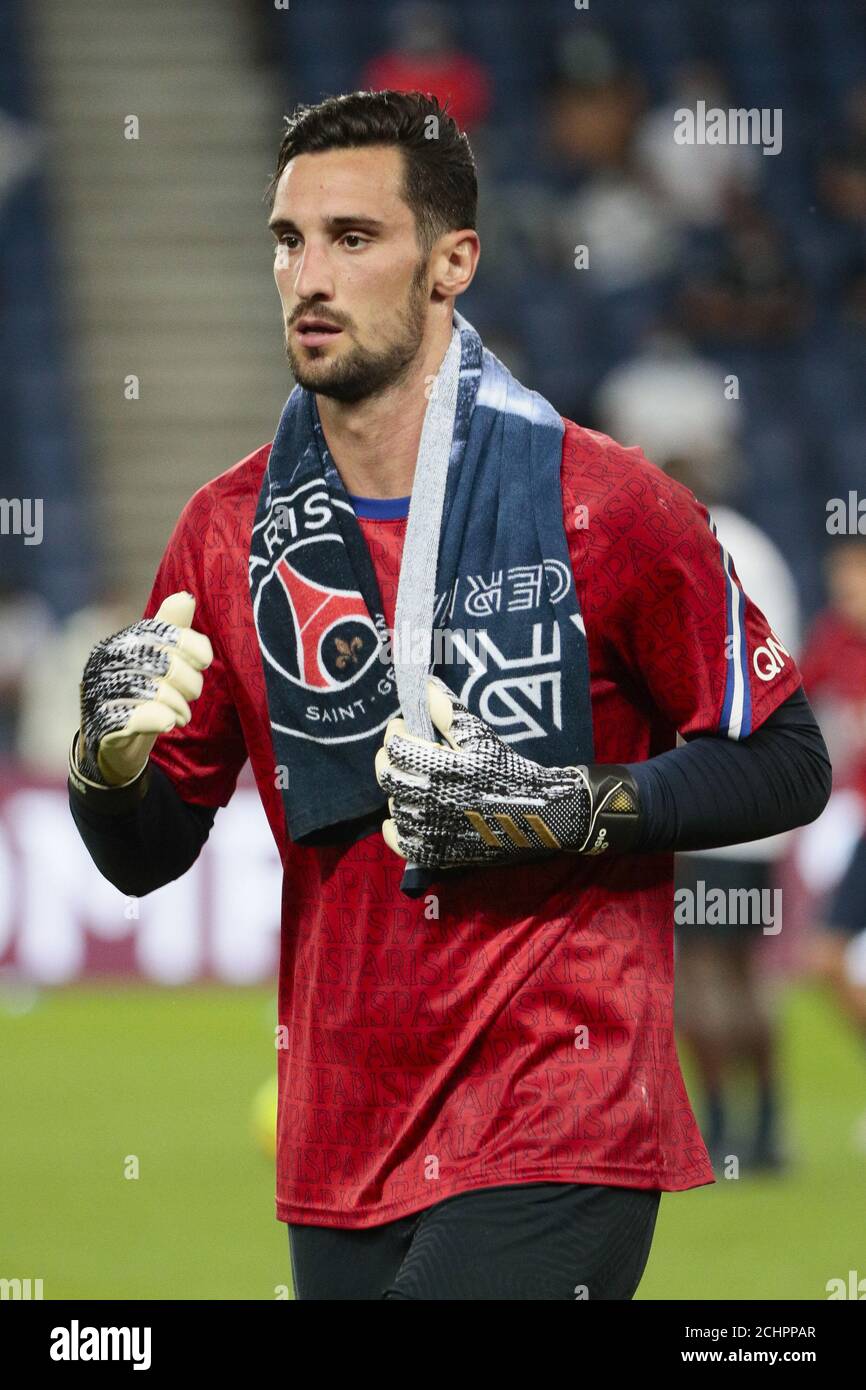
[(454, 262)]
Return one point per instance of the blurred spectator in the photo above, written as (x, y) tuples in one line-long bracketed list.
[(593, 106), (694, 180), (842, 171), (833, 241), (424, 56), (744, 288), (834, 674), (722, 1005), (27, 633), (672, 402), (628, 232), (841, 189), (842, 181), (588, 247), (834, 662)]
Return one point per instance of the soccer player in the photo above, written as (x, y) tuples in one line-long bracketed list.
[(479, 1092), (834, 672)]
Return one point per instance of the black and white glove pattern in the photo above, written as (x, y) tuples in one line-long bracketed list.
[(476, 801), (136, 685)]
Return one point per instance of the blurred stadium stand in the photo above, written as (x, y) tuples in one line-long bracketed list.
[(167, 247), (149, 258), (155, 268), (41, 451)]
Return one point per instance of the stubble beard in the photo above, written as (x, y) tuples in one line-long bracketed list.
[(362, 373)]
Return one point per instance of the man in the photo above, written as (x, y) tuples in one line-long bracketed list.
[(724, 1007), (479, 1094), (834, 670)]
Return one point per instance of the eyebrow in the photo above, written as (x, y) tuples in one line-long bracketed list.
[(359, 222)]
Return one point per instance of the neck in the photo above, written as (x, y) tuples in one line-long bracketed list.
[(374, 442)]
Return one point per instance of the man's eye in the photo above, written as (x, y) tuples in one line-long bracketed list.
[(356, 238), (284, 241)]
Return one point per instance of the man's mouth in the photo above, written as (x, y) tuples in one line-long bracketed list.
[(313, 332)]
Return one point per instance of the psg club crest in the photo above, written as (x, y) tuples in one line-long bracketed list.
[(316, 635)]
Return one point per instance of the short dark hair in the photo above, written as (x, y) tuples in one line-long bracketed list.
[(440, 184)]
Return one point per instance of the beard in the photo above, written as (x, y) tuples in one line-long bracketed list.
[(362, 372)]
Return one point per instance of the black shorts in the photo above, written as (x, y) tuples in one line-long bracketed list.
[(519, 1242)]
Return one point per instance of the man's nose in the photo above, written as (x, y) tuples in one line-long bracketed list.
[(314, 279)]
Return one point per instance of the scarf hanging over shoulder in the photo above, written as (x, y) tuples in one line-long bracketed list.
[(508, 636)]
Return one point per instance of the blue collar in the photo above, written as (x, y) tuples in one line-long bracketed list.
[(380, 508)]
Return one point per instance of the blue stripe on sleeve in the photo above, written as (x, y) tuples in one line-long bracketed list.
[(736, 716)]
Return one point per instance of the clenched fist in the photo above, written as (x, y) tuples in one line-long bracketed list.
[(137, 684), (474, 800)]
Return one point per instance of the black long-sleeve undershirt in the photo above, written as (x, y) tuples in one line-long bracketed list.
[(711, 791), (141, 849)]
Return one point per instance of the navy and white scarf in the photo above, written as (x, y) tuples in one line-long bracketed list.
[(509, 637)]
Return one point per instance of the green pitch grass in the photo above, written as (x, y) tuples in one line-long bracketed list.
[(89, 1078)]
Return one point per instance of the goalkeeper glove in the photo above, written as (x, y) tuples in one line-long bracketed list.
[(475, 801), (137, 685)]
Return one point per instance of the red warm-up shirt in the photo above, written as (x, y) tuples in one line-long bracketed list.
[(525, 1033)]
